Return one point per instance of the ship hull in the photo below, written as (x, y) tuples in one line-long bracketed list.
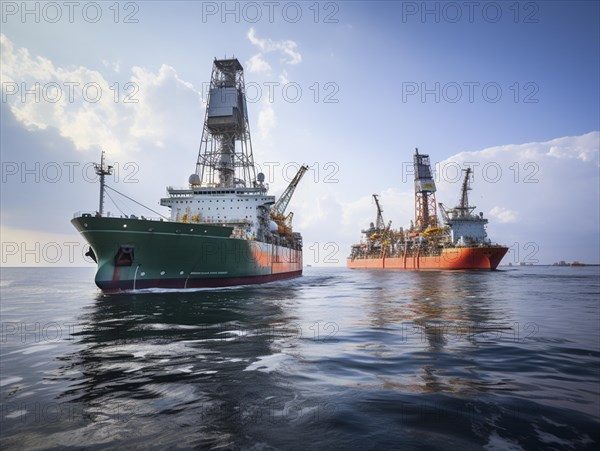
[(134, 254), (482, 258)]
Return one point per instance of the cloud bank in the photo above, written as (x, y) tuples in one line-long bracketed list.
[(544, 193), (541, 199), (120, 116)]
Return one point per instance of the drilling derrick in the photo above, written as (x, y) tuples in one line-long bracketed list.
[(425, 206), (458, 241), (222, 163)]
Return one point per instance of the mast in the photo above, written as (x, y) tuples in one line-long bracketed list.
[(425, 207), (102, 171), (222, 163)]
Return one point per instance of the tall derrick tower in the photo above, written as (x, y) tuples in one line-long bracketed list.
[(220, 162), (425, 206)]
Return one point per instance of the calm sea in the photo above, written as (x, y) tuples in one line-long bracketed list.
[(337, 359)]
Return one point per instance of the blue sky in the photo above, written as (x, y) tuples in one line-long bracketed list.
[(512, 86)]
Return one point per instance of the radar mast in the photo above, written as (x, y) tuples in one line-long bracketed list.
[(102, 170)]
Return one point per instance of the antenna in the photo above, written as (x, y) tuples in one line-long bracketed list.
[(102, 171)]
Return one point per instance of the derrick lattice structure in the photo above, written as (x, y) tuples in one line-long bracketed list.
[(225, 157), (458, 241), (425, 205)]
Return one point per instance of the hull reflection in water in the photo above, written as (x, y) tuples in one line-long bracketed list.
[(337, 359)]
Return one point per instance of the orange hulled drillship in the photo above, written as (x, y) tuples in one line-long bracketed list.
[(461, 242)]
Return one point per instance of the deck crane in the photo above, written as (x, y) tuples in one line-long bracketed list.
[(463, 209), (278, 209), (379, 224), (378, 229)]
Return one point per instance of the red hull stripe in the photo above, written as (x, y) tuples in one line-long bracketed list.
[(109, 286), (457, 258)]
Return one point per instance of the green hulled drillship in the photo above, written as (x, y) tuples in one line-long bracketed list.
[(223, 230)]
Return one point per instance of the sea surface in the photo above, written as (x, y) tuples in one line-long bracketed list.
[(336, 359)]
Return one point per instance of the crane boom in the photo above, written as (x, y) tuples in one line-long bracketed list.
[(464, 196), (278, 208), (463, 209), (379, 224)]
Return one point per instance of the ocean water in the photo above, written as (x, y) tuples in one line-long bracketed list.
[(337, 359)]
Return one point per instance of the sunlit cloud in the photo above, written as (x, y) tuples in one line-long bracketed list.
[(504, 215), (287, 47), (258, 64), (88, 109)]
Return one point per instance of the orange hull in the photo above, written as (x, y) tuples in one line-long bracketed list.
[(457, 258)]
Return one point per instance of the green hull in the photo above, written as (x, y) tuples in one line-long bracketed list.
[(138, 253)]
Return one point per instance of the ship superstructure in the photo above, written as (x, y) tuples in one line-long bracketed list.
[(224, 228), (461, 242), (466, 228), (225, 188)]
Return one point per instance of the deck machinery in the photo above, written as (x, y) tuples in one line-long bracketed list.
[(460, 243), (224, 228)]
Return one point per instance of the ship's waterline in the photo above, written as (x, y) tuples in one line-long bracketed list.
[(485, 258), (137, 253)]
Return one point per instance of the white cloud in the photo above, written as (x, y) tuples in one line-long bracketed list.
[(266, 120), (283, 78), (258, 64), (115, 66), (287, 47), (93, 112), (581, 148), (504, 215), (533, 193)]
